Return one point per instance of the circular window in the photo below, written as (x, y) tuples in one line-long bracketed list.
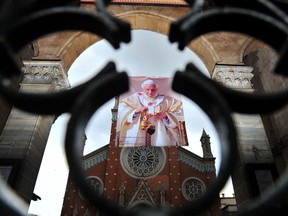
[(143, 161), (96, 185), (192, 188)]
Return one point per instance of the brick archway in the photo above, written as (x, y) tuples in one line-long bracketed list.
[(153, 19), (213, 48)]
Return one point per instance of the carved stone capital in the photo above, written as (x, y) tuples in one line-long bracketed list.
[(233, 76), (45, 72)]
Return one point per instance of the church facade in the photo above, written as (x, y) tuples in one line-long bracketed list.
[(146, 176)]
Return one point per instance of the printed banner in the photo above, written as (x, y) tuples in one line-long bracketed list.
[(151, 2), (150, 114)]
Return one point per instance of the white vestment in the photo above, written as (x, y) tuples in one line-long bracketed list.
[(166, 132)]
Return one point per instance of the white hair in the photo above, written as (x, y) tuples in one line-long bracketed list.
[(149, 82)]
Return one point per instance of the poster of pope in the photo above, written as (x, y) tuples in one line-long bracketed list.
[(150, 114)]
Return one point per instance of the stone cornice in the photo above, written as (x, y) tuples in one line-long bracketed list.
[(233, 76), (45, 72), (198, 165), (94, 160)]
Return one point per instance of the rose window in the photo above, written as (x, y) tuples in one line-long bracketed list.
[(96, 185), (192, 188), (142, 161)]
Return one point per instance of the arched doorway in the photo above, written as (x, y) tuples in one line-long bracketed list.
[(89, 63)]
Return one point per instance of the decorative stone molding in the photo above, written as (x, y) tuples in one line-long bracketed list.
[(196, 164), (233, 76), (96, 159), (143, 195), (115, 109), (45, 72)]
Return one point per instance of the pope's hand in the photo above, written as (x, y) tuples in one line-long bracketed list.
[(159, 116), (141, 109)]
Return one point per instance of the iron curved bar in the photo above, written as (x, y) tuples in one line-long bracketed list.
[(275, 10), (38, 24), (55, 19), (195, 5), (84, 107), (216, 107), (216, 20), (271, 197), (239, 101), (220, 19), (12, 63), (10, 203), (268, 7), (31, 27), (174, 26), (274, 195), (30, 6), (101, 6), (51, 103), (102, 10)]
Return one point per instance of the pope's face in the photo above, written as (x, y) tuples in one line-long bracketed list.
[(150, 90)]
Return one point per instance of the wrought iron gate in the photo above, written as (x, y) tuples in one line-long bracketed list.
[(31, 20)]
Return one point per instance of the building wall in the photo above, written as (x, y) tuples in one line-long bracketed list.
[(169, 180)]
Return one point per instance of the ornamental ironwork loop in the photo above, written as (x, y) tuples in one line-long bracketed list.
[(39, 23), (28, 23), (241, 20)]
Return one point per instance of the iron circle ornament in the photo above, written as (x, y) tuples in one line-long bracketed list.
[(194, 25), (37, 24), (84, 107), (210, 100), (216, 107), (21, 25), (214, 99), (50, 103)]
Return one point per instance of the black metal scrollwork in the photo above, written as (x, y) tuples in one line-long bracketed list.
[(217, 101), (193, 25), (244, 16), (37, 19)]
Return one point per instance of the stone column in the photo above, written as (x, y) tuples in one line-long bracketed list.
[(25, 135), (254, 148)]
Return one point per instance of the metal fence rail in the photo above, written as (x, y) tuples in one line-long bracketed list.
[(31, 20)]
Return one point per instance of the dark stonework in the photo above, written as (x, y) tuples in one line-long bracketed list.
[(263, 61)]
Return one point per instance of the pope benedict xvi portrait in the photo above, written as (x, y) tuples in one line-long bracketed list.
[(149, 117)]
